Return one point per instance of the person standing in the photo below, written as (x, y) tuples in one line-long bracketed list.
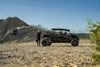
[(38, 38)]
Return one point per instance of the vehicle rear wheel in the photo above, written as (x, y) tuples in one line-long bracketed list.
[(46, 42), (74, 42)]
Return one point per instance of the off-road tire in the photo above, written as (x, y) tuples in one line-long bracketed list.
[(74, 42), (46, 42)]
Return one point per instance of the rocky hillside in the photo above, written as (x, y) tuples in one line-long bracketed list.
[(8, 25)]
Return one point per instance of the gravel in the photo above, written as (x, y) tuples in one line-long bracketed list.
[(56, 55)]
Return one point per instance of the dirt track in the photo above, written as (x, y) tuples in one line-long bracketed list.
[(56, 55)]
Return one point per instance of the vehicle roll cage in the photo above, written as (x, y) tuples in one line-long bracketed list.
[(60, 29)]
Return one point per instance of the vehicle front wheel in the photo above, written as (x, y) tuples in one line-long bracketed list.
[(74, 42), (46, 42)]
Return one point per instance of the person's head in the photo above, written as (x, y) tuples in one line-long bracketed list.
[(38, 31)]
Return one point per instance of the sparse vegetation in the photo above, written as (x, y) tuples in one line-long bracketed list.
[(94, 29), (40, 27), (96, 58), (98, 47)]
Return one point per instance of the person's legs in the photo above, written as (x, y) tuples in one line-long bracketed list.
[(39, 43)]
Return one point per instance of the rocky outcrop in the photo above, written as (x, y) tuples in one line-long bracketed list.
[(6, 25)]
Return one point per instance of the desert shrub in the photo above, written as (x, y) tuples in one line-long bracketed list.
[(39, 26), (98, 47), (96, 58), (94, 29)]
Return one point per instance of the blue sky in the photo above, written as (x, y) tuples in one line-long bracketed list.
[(71, 14)]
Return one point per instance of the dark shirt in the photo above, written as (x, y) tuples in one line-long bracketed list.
[(38, 35)]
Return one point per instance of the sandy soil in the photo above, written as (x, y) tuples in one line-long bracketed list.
[(27, 54)]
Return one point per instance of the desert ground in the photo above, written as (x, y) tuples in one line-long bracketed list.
[(28, 54)]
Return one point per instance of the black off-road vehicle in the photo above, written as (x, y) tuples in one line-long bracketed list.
[(59, 35)]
